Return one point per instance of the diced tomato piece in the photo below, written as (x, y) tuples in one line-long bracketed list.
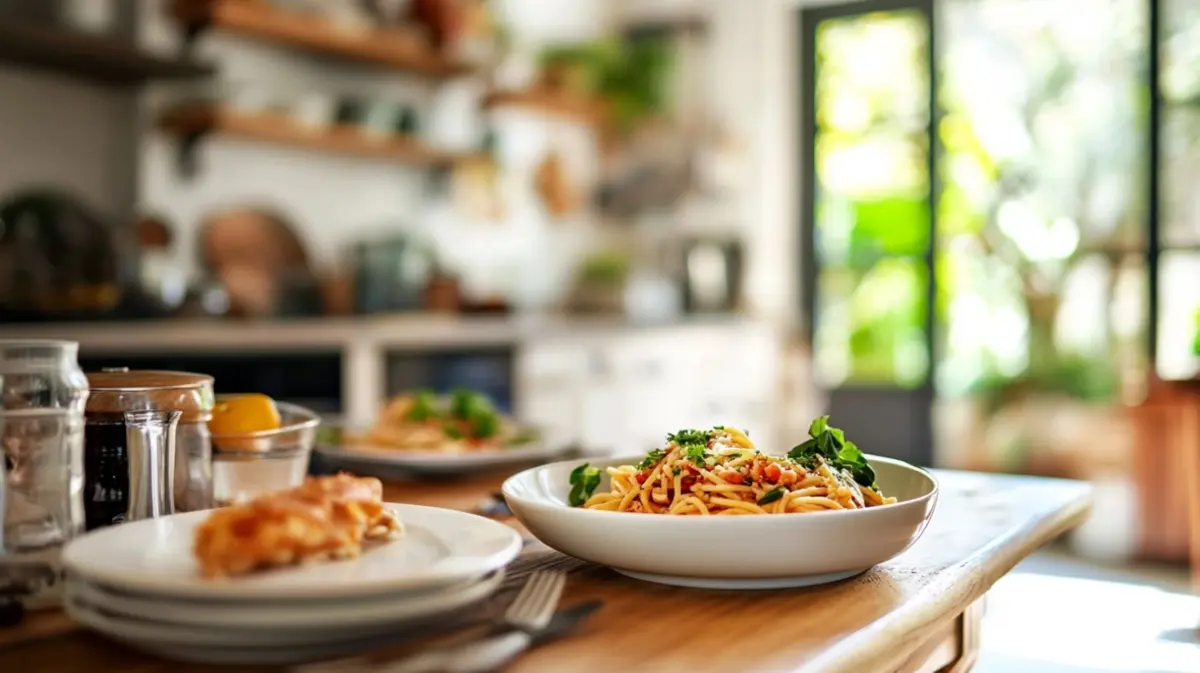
[(771, 473), (642, 477)]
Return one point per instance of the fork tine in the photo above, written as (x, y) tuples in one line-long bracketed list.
[(553, 594), (538, 607), (528, 599), (518, 605)]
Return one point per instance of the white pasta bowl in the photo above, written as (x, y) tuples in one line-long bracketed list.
[(763, 551)]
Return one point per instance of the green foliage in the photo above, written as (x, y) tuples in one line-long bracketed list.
[(1196, 338), (605, 268), (631, 76), (1089, 379), (584, 480), (829, 444)]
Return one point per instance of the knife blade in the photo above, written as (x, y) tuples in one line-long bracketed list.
[(564, 620), (495, 649)]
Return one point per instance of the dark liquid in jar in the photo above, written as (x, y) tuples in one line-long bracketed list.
[(105, 471)]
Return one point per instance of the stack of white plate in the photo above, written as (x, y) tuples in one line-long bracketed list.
[(138, 583)]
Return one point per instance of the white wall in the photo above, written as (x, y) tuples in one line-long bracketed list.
[(752, 90), (57, 132), (331, 199)]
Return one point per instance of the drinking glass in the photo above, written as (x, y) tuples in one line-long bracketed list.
[(42, 397)]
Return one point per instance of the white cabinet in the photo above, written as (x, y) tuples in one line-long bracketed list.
[(622, 393)]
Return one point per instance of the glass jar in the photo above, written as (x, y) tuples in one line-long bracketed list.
[(116, 391), (248, 464), (42, 396)]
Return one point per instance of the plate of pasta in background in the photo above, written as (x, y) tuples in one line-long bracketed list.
[(425, 433), (711, 509)]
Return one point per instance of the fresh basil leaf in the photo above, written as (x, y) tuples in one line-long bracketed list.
[(851, 453), (803, 451), (577, 473), (424, 407), (462, 401), (818, 426), (485, 424), (451, 431), (772, 495), (584, 480), (839, 437), (696, 453), (825, 444)]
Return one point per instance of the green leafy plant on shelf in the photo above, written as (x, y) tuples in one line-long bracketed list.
[(608, 269), (1196, 337), (630, 76)]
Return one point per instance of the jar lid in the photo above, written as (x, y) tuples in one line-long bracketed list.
[(120, 389), (117, 379)]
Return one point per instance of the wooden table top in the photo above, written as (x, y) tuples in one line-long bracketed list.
[(983, 526)]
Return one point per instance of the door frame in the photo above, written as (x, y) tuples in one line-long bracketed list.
[(808, 19)]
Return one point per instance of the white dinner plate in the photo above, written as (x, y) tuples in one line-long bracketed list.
[(131, 633), (387, 462), (439, 547), (261, 623), (765, 551)]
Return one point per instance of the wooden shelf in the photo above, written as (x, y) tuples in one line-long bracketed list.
[(195, 121), (586, 110), (392, 48), (87, 57)]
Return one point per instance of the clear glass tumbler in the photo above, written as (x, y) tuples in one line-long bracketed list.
[(42, 397)]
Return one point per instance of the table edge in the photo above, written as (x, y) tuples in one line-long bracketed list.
[(862, 652)]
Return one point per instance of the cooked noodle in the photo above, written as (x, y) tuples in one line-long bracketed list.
[(723, 474)]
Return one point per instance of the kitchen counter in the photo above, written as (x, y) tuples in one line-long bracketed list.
[(396, 332), (364, 344)]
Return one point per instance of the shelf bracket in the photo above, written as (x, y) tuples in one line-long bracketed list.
[(187, 159)]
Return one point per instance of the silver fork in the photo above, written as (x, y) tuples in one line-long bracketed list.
[(529, 614)]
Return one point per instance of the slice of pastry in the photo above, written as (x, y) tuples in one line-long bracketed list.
[(325, 518)]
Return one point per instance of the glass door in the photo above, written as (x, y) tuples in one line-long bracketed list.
[(868, 116), (1177, 327)]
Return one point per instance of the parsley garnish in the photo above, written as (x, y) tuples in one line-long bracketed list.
[(772, 495), (693, 442), (651, 458), (829, 444), (584, 480), (689, 437), (695, 453)]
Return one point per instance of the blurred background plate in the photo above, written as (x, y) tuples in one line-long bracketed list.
[(384, 462)]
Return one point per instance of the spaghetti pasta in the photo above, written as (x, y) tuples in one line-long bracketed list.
[(719, 472), (462, 422)]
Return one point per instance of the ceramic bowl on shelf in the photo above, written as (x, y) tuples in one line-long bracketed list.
[(766, 551)]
